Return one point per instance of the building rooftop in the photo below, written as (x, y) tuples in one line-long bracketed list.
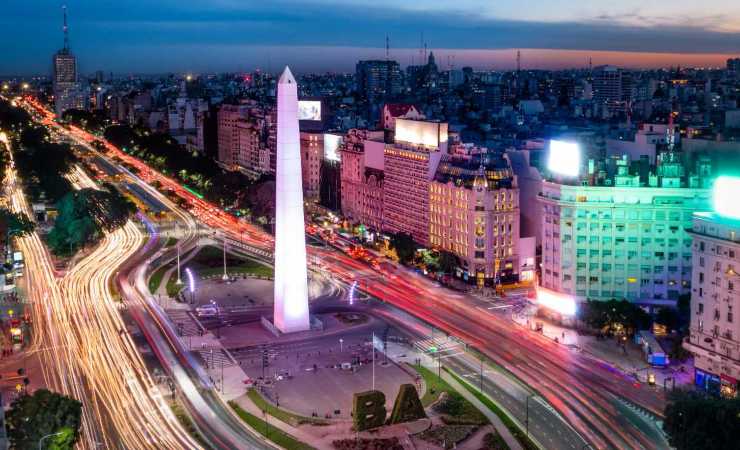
[(464, 170)]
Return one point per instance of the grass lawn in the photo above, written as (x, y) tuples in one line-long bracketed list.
[(272, 433), (515, 430), (156, 278), (455, 406), (281, 414), (170, 241), (210, 261)]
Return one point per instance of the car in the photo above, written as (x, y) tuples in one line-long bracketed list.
[(207, 311)]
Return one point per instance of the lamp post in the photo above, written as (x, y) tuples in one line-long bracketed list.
[(225, 277), (527, 413)]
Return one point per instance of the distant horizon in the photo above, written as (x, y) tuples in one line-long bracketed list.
[(317, 60), (316, 36)]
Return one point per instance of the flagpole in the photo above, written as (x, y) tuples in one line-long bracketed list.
[(373, 361)]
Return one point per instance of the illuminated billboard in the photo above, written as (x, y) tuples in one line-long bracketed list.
[(425, 134), (561, 303), (309, 110), (331, 146), (564, 158), (725, 195)]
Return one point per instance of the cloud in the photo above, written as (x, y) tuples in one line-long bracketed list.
[(110, 27)]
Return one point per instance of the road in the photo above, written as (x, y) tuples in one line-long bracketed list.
[(580, 389), (86, 352)]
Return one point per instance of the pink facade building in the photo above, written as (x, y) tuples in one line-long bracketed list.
[(312, 151), (474, 213), (361, 177), (247, 137), (228, 134), (410, 165)]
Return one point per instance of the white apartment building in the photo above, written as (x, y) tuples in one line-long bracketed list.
[(621, 242), (714, 333)]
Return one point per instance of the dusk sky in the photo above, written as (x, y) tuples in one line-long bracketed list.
[(319, 35)]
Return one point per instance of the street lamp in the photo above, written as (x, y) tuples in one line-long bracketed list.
[(527, 409), (225, 277), (47, 437)]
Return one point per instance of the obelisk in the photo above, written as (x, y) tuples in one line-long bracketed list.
[(291, 283)]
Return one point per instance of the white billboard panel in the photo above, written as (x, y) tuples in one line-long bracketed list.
[(331, 146), (426, 134), (309, 110), (564, 158)]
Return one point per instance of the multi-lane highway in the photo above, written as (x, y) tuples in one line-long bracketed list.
[(85, 349), (590, 396)]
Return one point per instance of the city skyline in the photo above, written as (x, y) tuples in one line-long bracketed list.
[(319, 36)]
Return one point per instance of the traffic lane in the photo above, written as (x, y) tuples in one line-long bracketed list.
[(544, 424)]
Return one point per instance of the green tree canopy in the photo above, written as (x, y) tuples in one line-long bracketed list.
[(43, 413), (14, 224), (609, 315), (404, 245), (84, 215), (694, 420)]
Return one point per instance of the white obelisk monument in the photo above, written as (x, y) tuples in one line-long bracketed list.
[(291, 284)]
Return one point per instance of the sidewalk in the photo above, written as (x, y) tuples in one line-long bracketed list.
[(629, 360)]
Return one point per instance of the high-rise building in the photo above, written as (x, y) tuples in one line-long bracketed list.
[(312, 152), (410, 164), (608, 89), (378, 80), (474, 213), (228, 133), (733, 66), (609, 234), (714, 332), (291, 277), (68, 93)]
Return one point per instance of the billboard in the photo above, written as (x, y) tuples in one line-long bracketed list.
[(564, 158), (309, 110), (562, 303), (725, 196), (417, 132), (331, 146)]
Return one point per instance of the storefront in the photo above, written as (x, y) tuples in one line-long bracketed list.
[(728, 388), (707, 381)]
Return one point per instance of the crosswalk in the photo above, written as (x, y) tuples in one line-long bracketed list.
[(441, 347), (215, 358), (184, 323)]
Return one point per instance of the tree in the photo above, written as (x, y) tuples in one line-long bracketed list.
[(32, 417), (610, 315), (84, 215), (694, 420), (404, 245), (448, 261), (667, 317), (14, 224)]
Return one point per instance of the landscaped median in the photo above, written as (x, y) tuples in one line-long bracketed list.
[(281, 414), (270, 432), (526, 442)]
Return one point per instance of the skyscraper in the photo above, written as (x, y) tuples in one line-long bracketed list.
[(67, 91), (291, 278), (378, 80)]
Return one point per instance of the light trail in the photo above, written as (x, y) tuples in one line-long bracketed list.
[(579, 388), (94, 358)]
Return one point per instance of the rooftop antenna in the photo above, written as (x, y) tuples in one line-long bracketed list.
[(387, 48), (421, 48), (65, 28), (425, 52)]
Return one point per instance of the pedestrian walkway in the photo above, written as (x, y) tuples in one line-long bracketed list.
[(627, 358)]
